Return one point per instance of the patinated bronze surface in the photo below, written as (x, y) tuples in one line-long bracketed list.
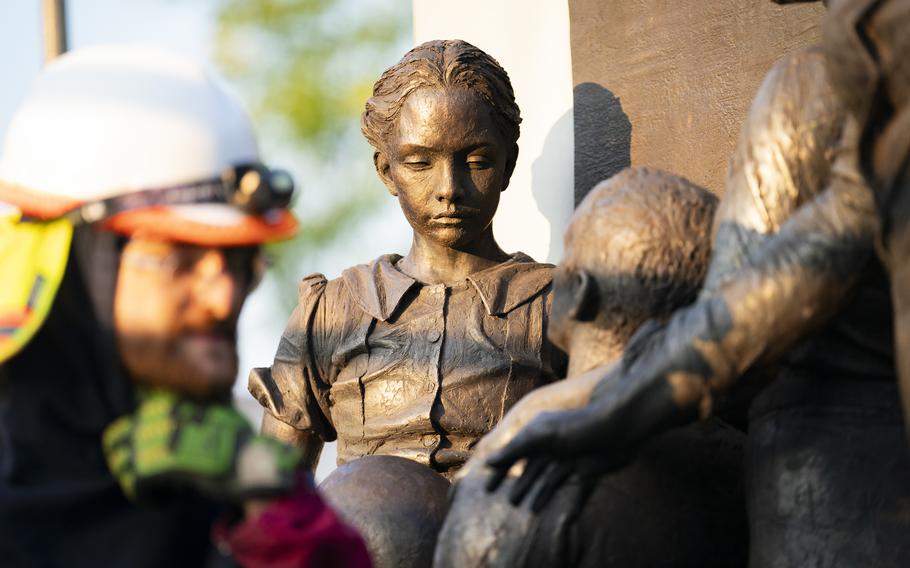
[(636, 248), (396, 504), (868, 50), (419, 356), (792, 281)]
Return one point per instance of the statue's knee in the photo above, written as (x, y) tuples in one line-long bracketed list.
[(397, 505)]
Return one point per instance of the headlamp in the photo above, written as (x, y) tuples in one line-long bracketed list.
[(256, 189)]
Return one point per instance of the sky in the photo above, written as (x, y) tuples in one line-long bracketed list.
[(186, 26)]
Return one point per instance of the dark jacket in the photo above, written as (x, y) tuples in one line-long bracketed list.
[(59, 506)]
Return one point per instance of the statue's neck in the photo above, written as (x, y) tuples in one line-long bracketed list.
[(432, 263), (591, 347)]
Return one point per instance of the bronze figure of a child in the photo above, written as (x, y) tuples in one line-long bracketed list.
[(419, 356)]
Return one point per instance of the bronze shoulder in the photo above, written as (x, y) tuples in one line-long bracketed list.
[(786, 145)]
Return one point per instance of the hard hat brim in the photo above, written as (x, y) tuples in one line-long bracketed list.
[(35, 204), (165, 223)]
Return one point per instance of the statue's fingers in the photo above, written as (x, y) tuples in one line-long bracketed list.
[(533, 471), (524, 445), (554, 479), (497, 475)]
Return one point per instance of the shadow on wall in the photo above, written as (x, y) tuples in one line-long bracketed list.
[(603, 137), (550, 181)]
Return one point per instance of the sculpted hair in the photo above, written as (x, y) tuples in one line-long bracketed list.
[(440, 64), (645, 236)]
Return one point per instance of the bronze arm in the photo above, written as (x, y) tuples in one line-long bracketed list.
[(309, 443)]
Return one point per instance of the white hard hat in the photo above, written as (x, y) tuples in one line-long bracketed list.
[(106, 122)]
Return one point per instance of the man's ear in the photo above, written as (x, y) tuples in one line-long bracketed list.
[(510, 166), (585, 296), (382, 168)]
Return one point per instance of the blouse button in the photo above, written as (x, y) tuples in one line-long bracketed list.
[(433, 336)]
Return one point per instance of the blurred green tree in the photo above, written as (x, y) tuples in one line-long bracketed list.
[(306, 67)]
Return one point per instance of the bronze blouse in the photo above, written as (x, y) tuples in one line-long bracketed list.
[(392, 366)]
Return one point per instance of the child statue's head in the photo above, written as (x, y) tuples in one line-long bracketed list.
[(637, 248), (444, 125)]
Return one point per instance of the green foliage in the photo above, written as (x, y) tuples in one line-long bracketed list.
[(306, 67), (311, 63)]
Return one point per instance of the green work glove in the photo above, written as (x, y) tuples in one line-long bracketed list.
[(172, 446)]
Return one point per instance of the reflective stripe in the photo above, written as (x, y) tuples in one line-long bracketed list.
[(33, 255)]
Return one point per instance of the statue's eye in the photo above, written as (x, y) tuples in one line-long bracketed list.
[(478, 162), (417, 165)]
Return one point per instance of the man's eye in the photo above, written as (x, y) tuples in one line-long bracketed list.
[(478, 163)]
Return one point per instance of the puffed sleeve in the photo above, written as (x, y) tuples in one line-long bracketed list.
[(293, 389)]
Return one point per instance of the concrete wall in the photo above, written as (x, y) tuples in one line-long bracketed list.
[(530, 38), (667, 83)]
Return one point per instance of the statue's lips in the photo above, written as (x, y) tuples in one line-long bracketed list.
[(454, 217)]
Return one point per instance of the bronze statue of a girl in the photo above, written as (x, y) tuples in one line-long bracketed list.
[(419, 356)]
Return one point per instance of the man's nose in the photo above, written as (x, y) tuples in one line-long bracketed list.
[(449, 186), (215, 288)]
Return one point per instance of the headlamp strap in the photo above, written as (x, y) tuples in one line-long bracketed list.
[(253, 188), (208, 191)]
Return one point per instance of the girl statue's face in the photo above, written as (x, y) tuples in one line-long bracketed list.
[(447, 163)]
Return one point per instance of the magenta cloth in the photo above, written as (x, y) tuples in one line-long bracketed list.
[(297, 531)]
